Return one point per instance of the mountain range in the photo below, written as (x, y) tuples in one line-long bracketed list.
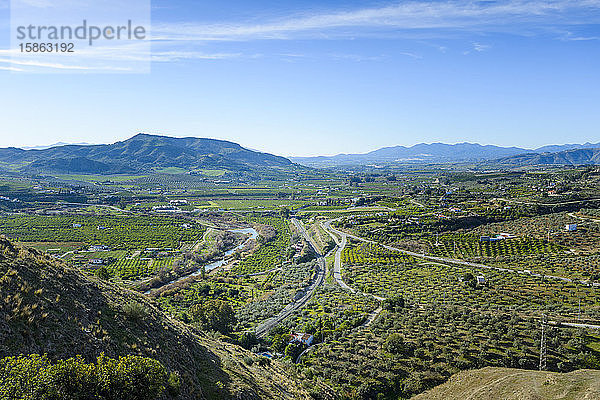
[(440, 153), (142, 153), (568, 157), (145, 153)]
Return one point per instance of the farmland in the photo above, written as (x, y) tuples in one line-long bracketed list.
[(175, 238), (117, 232)]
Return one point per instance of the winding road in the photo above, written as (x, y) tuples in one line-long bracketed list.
[(344, 235), (461, 262), (337, 270)]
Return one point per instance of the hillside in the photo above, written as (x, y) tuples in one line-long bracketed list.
[(139, 154), (515, 384), (49, 308), (568, 157)]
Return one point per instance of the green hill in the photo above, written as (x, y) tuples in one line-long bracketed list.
[(516, 384), (48, 308), (142, 153), (588, 156)]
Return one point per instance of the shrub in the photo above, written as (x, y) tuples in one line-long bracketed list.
[(35, 377), (174, 384), (394, 344), (214, 315), (247, 340), (135, 311)]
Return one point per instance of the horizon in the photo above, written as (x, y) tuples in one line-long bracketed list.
[(330, 77), (58, 144)]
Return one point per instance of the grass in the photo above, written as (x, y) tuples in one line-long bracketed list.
[(514, 384), (171, 170)]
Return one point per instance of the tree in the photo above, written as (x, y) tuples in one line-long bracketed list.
[(247, 340), (394, 344), (294, 349), (102, 273), (214, 315), (280, 342), (393, 304), (469, 280)]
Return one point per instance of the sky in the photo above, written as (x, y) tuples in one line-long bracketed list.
[(325, 77)]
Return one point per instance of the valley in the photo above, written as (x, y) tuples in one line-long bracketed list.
[(379, 284)]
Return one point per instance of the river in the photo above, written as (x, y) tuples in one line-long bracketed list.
[(216, 264)]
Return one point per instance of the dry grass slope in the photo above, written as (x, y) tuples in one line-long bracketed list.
[(516, 384)]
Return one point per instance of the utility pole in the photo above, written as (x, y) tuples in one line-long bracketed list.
[(543, 344)]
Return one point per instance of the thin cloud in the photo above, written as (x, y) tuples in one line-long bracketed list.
[(13, 69), (172, 56), (421, 15), (57, 66), (481, 47)]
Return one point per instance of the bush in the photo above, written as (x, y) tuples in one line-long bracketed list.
[(174, 384), (394, 344), (393, 304), (248, 360), (214, 315), (248, 340), (35, 377), (135, 311)]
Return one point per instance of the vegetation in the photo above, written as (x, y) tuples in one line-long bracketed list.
[(127, 378)]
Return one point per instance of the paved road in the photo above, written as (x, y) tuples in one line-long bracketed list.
[(417, 203), (574, 325), (545, 204), (337, 265), (583, 218), (263, 329), (372, 317), (337, 271), (466, 263)]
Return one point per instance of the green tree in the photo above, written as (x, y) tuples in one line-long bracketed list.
[(126, 378), (394, 344), (214, 315), (393, 304)]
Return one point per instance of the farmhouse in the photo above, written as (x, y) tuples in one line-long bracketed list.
[(178, 202), (303, 338), (99, 247), (166, 209), (571, 227), (481, 280)]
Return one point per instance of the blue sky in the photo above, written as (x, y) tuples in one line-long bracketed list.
[(328, 77)]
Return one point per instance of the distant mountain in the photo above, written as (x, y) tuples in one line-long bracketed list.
[(569, 157), (420, 153), (434, 153), (142, 153), (53, 145), (565, 147)]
